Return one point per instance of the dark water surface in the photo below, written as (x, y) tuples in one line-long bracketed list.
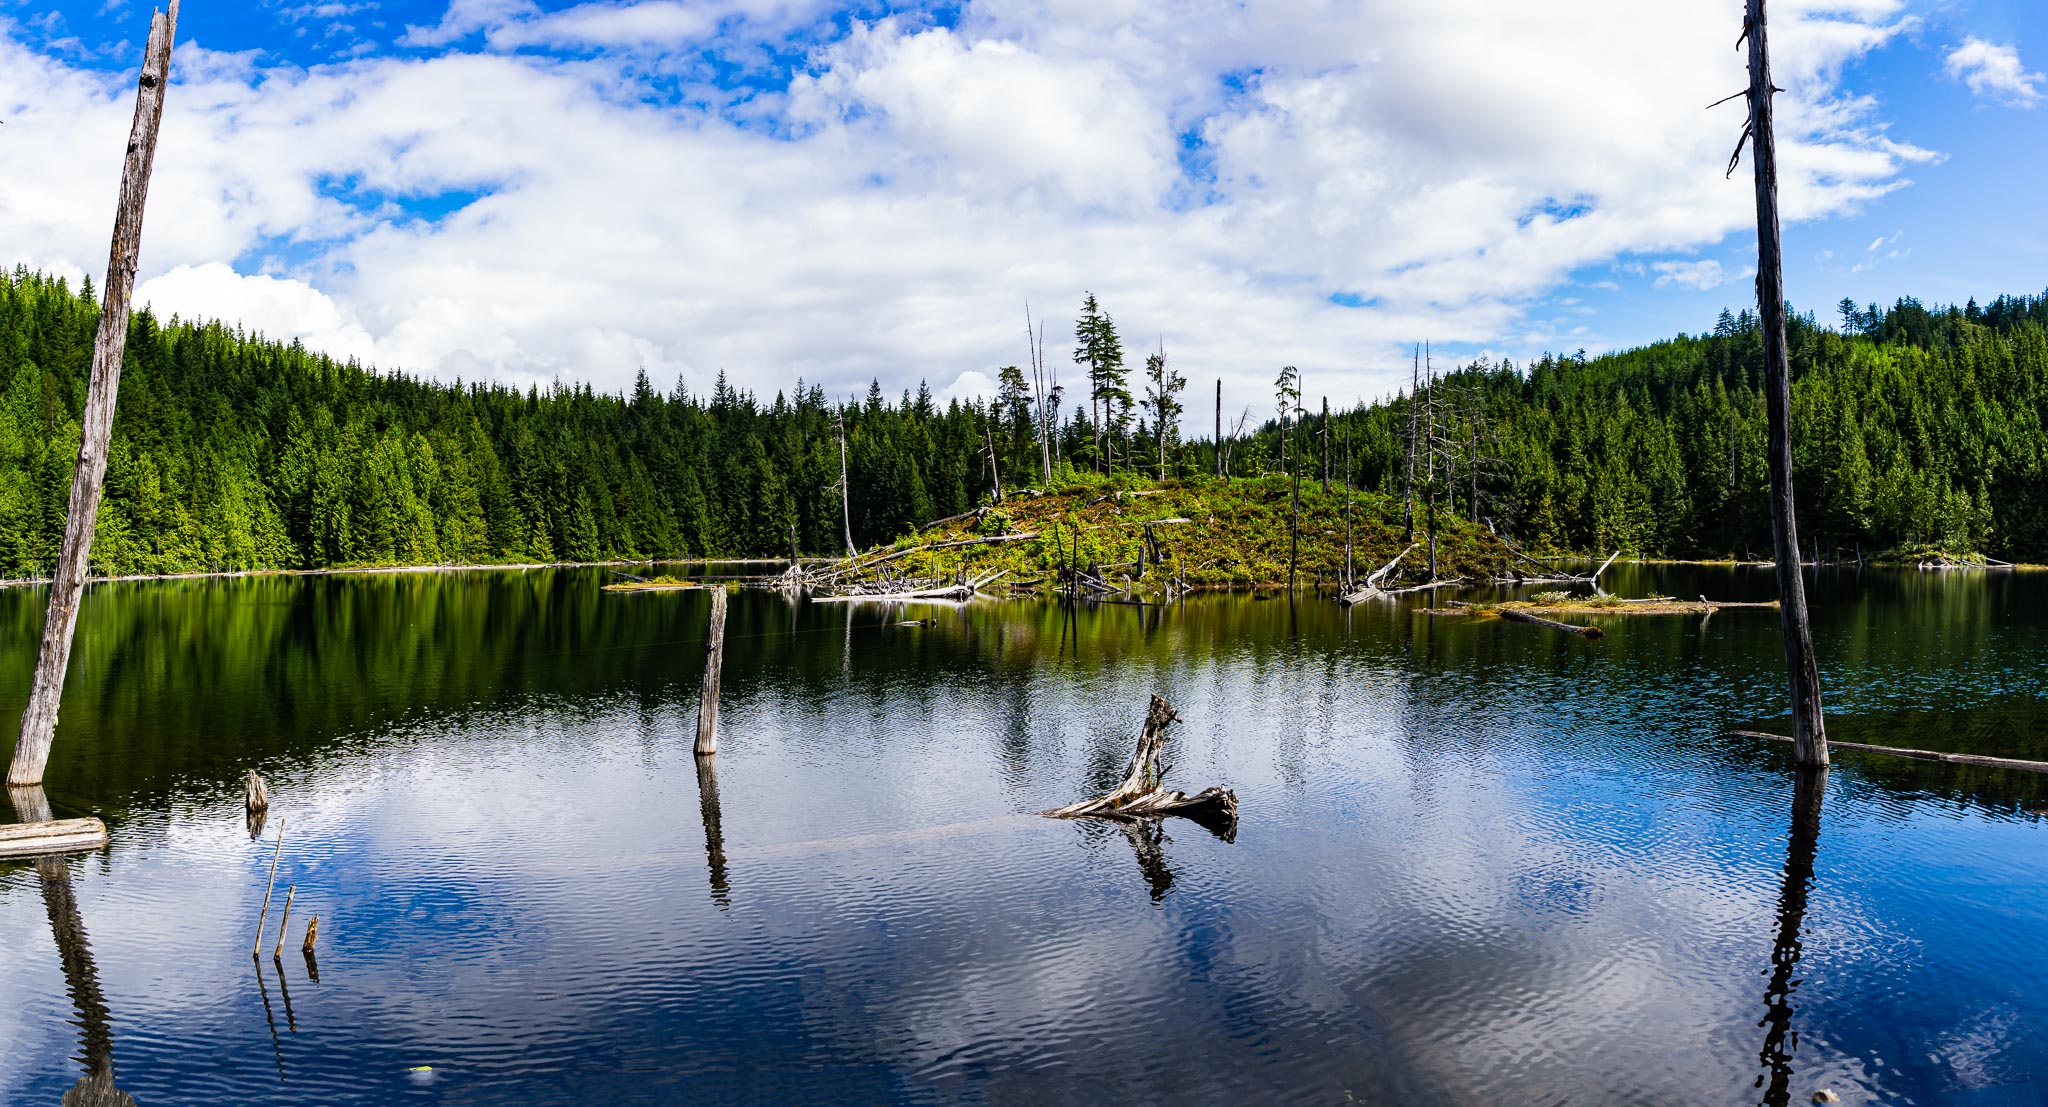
[(1477, 863)]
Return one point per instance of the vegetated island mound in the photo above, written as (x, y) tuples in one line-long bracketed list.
[(1211, 533)]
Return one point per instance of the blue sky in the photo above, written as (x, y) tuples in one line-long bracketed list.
[(517, 190)]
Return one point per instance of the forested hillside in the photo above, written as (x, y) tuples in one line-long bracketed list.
[(232, 452), (1912, 428)]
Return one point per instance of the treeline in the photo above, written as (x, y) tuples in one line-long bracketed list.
[(235, 452), (1915, 426)]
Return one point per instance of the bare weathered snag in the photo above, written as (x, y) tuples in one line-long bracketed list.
[(258, 798), (1142, 796), (60, 621), (1810, 741), (312, 936), (714, 660)]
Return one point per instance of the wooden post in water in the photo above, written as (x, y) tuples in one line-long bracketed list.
[(291, 891), (60, 622), (714, 660), (1809, 734)]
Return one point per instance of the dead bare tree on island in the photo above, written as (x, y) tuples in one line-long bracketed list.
[(845, 496), (1408, 472), (1809, 734), (60, 622)]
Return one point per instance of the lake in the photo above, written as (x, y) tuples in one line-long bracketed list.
[(1476, 862)]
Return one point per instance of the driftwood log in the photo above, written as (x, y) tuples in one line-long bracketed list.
[(1142, 796), (45, 838), (1372, 589), (1517, 615)]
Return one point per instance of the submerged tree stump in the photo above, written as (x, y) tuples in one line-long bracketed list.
[(1142, 796), (258, 798)]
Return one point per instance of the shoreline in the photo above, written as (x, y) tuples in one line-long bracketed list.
[(442, 567)]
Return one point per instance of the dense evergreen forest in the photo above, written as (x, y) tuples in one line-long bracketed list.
[(1915, 426)]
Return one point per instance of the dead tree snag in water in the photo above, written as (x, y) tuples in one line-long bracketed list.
[(1809, 734), (714, 661), (39, 721), (1142, 796)]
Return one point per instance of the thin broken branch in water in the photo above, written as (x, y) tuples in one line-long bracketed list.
[(1142, 796), (256, 952), (1917, 755)]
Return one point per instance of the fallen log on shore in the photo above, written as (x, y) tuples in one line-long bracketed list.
[(1917, 755), (1372, 588), (1517, 615), (1142, 796), (953, 592)]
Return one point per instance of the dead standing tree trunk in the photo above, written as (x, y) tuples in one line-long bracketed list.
[(39, 721), (845, 495), (1219, 427), (1809, 734), (714, 663), (1142, 796)]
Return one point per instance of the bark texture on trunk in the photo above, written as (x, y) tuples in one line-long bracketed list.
[(60, 621), (1810, 743), (714, 662)]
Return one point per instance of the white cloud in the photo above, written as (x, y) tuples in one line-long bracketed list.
[(1698, 276), (1994, 72), (1882, 249), (470, 211), (283, 308)]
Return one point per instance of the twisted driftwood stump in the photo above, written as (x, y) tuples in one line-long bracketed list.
[(1142, 796)]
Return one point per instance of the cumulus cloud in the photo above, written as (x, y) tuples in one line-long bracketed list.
[(1994, 73), (1699, 276), (1300, 181)]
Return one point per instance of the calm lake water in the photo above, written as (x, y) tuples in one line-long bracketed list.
[(1476, 863)]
